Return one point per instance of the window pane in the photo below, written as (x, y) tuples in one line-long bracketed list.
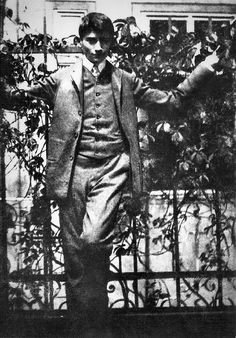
[(158, 27), (161, 27), (221, 27), (180, 24), (200, 28)]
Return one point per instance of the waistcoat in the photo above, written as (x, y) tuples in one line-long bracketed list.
[(101, 133)]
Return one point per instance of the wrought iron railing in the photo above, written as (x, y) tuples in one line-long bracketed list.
[(172, 260)]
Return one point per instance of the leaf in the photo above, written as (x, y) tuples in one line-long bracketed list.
[(32, 144), (203, 178), (8, 12), (184, 166), (157, 239), (42, 67), (177, 138), (120, 251), (156, 222)]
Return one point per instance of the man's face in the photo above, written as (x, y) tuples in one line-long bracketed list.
[(96, 46)]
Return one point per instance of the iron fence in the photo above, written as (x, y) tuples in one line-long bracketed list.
[(173, 259)]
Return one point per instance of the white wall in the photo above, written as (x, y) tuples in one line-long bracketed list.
[(115, 9), (62, 24)]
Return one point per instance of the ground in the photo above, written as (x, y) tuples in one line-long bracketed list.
[(162, 325)]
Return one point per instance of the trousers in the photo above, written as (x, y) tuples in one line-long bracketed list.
[(87, 219)]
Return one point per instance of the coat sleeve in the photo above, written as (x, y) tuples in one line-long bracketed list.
[(146, 97), (13, 97), (46, 89)]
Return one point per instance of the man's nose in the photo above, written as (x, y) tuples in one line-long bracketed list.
[(98, 46)]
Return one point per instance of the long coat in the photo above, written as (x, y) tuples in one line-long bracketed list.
[(64, 91)]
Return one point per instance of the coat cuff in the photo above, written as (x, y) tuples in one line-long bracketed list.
[(207, 65), (199, 76)]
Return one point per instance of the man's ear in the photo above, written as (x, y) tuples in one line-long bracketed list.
[(80, 45), (76, 40)]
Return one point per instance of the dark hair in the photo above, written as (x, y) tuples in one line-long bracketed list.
[(97, 22)]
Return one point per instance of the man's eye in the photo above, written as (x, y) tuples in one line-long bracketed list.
[(91, 41), (105, 41)]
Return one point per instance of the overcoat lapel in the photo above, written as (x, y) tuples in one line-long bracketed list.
[(116, 80), (77, 78)]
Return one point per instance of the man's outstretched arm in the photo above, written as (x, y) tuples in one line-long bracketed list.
[(146, 97), (12, 97)]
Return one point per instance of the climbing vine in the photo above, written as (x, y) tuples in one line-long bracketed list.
[(191, 151)]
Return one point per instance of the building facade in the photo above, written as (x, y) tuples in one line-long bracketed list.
[(63, 17)]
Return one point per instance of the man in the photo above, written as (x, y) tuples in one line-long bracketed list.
[(93, 148)]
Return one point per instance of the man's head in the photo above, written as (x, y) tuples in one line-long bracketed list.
[(96, 33)]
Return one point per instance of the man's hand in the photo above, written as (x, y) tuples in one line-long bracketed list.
[(211, 61)]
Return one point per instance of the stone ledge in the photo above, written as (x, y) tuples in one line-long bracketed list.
[(187, 324)]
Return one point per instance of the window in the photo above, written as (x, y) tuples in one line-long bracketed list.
[(202, 25), (165, 26), (188, 23)]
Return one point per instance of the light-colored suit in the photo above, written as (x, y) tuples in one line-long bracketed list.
[(87, 218), (64, 91)]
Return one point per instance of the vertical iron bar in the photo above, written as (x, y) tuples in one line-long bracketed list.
[(169, 24), (135, 260), (210, 25), (176, 244), (218, 245), (234, 100), (45, 229), (44, 33), (3, 225), (48, 291), (17, 16), (147, 251)]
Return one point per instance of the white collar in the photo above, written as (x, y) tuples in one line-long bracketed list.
[(89, 65)]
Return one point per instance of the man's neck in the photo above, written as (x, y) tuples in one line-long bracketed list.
[(89, 65)]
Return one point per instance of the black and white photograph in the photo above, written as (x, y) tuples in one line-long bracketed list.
[(117, 169)]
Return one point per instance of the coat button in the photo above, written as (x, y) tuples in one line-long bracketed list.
[(71, 158), (80, 112)]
